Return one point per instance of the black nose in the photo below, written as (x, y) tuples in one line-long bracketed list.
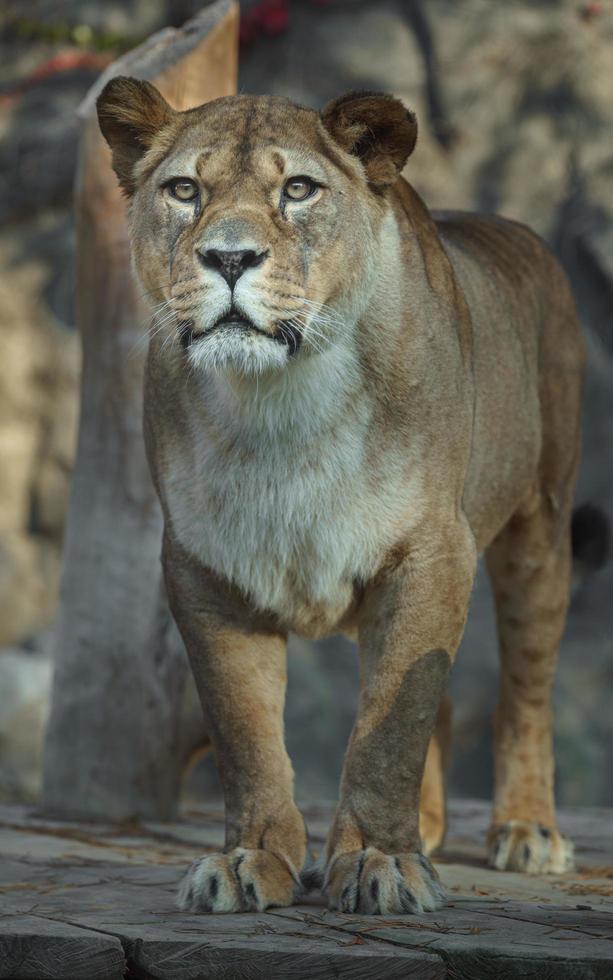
[(231, 265)]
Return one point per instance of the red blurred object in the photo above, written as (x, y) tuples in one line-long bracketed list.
[(591, 10), (66, 61), (270, 17)]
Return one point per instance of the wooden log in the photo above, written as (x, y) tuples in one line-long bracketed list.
[(89, 896), (114, 742), (35, 948)]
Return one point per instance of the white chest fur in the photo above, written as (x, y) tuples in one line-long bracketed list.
[(283, 495)]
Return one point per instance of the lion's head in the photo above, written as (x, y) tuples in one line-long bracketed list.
[(255, 222)]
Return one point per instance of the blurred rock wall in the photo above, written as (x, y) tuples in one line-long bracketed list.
[(515, 116)]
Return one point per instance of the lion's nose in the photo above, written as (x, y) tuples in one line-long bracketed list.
[(231, 265)]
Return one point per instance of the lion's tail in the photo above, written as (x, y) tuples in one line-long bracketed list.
[(591, 540)]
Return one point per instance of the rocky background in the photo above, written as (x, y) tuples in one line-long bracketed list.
[(516, 116)]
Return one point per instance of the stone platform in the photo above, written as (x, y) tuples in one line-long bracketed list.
[(82, 901)]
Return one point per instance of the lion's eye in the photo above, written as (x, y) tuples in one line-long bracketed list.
[(299, 188), (183, 189)]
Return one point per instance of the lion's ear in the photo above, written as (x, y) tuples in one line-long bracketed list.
[(376, 128), (130, 113)]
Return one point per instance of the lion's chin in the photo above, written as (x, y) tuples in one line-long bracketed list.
[(235, 349)]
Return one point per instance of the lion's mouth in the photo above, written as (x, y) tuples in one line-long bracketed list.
[(286, 333), (236, 321)]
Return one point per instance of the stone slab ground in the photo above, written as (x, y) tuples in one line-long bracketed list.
[(82, 901)]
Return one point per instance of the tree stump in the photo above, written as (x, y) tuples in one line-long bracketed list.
[(115, 745)]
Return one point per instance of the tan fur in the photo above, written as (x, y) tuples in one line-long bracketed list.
[(433, 809), (398, 393)]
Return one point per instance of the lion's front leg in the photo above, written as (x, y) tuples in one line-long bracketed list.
[(411, 625), (241, 675)]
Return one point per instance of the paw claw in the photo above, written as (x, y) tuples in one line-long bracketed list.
[(407, 900)]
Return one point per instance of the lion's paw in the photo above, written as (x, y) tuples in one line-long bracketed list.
[(521, 845), (240, 881), (374, 883)]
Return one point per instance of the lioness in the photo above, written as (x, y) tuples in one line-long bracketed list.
[(347, 399)]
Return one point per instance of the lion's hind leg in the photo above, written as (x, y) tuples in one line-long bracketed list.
[(530, 569), (529, 565)]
